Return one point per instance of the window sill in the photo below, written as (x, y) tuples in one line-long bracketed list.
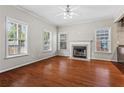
[(47, 50), (15, 56), (103, 52)]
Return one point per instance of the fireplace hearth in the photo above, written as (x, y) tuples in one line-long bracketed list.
[(80, 51)]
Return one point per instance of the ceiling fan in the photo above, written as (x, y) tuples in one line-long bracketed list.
[(68, 12)]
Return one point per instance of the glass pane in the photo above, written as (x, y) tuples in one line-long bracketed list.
[(62, 45), (102, 40), (12, 50), (12, 39), (46, 36), (12, 30), (63, 40), (47, 47), (22, 39), (22, 32), (17, 38), (46, 39)]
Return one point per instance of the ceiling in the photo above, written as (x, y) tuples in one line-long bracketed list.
[(86, 13)]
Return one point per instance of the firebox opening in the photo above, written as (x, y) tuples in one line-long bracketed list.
[(80, 51)]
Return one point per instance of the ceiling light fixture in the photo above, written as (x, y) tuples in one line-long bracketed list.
[(68, 12)]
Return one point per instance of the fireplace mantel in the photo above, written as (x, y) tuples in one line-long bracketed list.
[(86, 43)]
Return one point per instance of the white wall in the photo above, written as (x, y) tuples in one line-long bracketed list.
[(86, 31), (36, 27)]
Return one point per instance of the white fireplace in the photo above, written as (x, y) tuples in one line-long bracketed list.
[(80, 50)]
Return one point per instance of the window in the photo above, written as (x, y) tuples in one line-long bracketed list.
[(103, 40), (63, 41), (47, 41), (16, 38)]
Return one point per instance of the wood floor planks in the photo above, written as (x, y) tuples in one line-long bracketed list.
[(64, 72)]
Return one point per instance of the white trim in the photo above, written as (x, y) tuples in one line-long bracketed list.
[(119, 17), (109, 40), (33, 14), (102, 59), (49, 50), (60, 39), (27, 63), (16, 20), (93, 20), (63, 55), (15, 56), (51, 42), (6, 36), (87, 44), (80, 59)]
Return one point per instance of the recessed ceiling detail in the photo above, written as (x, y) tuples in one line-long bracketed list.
[(86, 12)]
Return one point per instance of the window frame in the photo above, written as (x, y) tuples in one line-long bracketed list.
[(65, 41), (109, 40), (59, 40), (50, 41), (6, 37)]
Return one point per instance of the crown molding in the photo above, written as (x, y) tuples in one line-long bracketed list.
[(61, 25), (34, 15), (119, 15), (88, 21), (118, 18)]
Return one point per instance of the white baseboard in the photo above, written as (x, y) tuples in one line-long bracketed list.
[(21, 65), (83, 59), (63, 55), (95, 58), (104, 59)]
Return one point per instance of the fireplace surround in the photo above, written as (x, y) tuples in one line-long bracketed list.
[(80, 50)]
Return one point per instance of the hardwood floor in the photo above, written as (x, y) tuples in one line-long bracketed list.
[(61, 71)]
